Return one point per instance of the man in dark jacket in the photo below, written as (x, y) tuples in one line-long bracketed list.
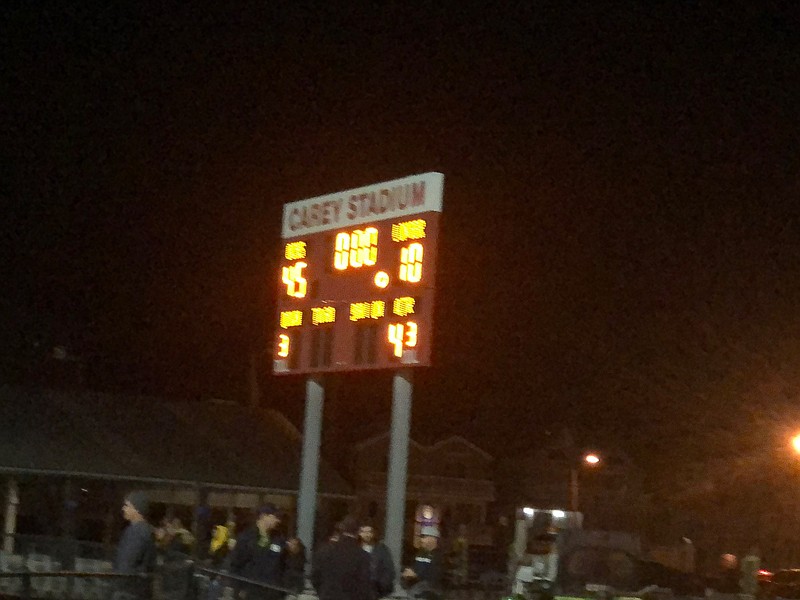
[(343, 570), (382, 568), (136, 552), (258, 554), (423, 578)]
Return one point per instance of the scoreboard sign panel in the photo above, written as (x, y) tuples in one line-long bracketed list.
[(357, 278)]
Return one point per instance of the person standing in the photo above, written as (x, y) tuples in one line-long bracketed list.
[(136, 552), (178, 541), (502, 541), (258, 554), (381, 566), (222, 543), (343, 570), (423, 578), (750, 564)]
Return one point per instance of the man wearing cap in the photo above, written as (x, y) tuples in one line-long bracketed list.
[(424, 577), (258, 554), (136, 552)]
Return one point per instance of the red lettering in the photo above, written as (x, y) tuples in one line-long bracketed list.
[(418, 193), (293, 218)]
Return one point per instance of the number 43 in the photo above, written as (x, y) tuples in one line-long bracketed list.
[(402, 335)]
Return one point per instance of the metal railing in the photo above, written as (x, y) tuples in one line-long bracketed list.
[(62, 569), (67, 584), (211, 584), (177, 580)]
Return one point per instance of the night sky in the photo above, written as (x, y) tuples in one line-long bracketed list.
[(619, 251)]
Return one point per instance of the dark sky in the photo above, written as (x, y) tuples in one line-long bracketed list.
[(620, 245)]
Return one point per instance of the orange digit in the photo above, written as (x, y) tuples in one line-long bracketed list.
[(411, 263), (296, 284), (411, 334), (342, 251), (396, 338), (283, 345)]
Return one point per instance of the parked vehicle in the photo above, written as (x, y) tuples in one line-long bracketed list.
[(784, 583), (557, 559)]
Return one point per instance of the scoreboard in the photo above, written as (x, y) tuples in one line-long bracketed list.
[(357, 276)]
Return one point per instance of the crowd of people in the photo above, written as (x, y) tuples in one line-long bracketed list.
[(261, 564)]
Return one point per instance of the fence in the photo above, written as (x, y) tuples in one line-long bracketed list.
[(52, 568), (49, 568)]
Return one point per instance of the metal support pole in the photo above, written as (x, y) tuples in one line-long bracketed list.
[(12, 506), (573, 489), (69, 525), (312, 435), (398, 464), (199, 524)]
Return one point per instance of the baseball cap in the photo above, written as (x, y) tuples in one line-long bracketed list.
[(269, 509), (429, 531)]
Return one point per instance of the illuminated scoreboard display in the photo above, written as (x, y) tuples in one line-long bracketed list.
[(357, 278)]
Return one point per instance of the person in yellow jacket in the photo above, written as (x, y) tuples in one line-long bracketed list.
[(222, 542)]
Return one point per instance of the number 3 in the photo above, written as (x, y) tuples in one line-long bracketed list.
[(283, 345)]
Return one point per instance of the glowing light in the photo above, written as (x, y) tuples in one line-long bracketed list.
[(381, 279), (283, 345), (341, 252), (400, 335), (355, 249), (411, 334), (291, 318), (396, 337), (403, 307), (796, 443), (592, 459), (296, 284), (411, 263), (559, 514), (323, 314), (367, 310), (408, 230), (295, 250), (528, 511)]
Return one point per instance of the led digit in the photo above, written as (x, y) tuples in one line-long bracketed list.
[(370, 246), (283, 345), (296, 284), (355, 249), (411, 334), (341, 255), (396, 337), (411, 263)]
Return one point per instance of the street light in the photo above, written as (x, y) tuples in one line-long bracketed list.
[(591, 459), (796, 443)]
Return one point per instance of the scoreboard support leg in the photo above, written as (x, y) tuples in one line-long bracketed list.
[(312, 433), (398, 464)]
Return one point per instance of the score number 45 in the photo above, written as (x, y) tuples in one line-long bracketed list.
[(402, 335), (296, 284)]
